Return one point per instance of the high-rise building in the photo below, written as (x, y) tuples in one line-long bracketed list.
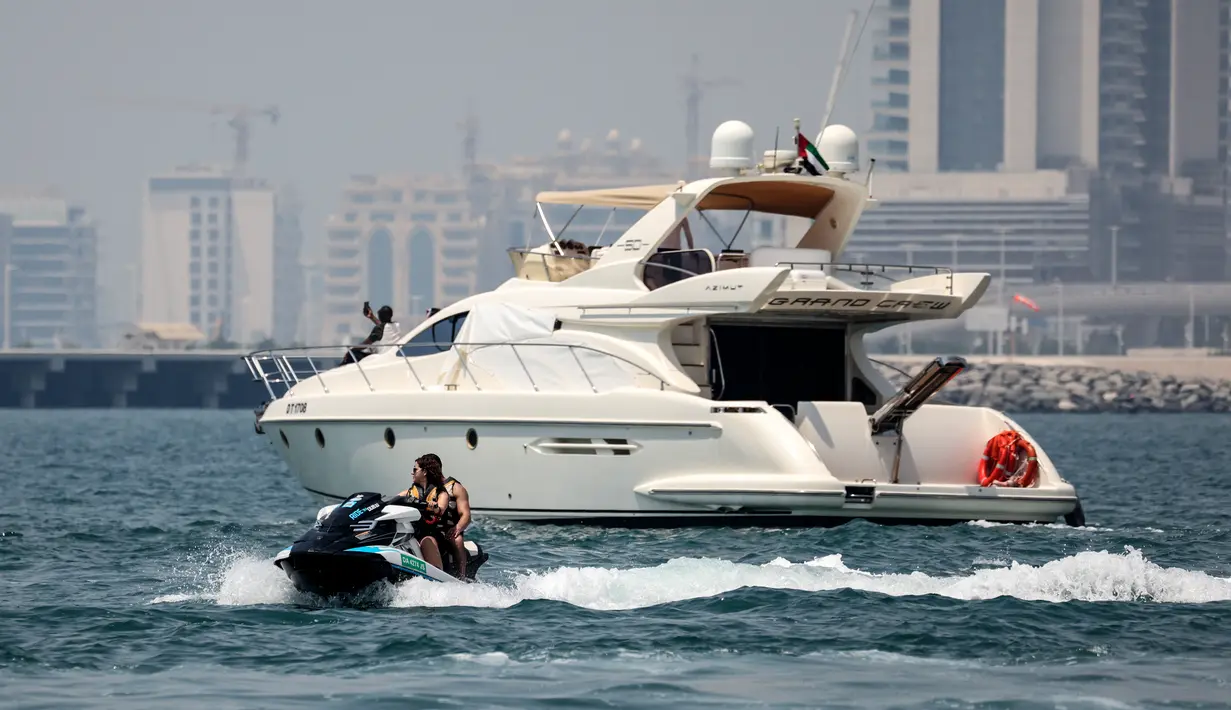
[(1133, 90), (208, 254), (48, 271), (289, 283), (1018, 227), (1028, 84), (407, 242), (416, 242)]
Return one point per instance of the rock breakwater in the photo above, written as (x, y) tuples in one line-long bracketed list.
[(1013, 387)]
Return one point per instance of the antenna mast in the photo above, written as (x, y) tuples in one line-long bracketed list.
[(844, 57)]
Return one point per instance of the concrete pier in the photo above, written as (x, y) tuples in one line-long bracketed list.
[(199, 379), (218, 379)]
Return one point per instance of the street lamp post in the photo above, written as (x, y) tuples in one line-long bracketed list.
[(1060, 317), (8, 304), (1004, 242), (1115, 253), (910, 263), (1191, 328), (1003, 269)]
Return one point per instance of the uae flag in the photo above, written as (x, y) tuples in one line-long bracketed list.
[(809, 156)]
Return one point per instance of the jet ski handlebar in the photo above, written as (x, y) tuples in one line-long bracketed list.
[(408, 502)]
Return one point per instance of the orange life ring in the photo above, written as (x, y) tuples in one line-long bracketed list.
[(1008, 460)]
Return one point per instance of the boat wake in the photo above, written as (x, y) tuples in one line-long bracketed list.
[(1086, 576)]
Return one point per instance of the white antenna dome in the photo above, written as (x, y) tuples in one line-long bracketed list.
[(839, 146), (731, 148)]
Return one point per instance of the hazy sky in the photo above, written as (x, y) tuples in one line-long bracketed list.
[(379, 85)]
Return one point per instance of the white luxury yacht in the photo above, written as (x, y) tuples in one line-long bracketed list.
[(655, 382)]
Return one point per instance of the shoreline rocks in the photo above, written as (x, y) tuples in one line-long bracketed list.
[(1013, 387)]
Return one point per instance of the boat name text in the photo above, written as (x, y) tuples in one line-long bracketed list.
[(861, 303)]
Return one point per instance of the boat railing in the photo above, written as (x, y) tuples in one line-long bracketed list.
[(281, 369), (872, 275), (669, 266)]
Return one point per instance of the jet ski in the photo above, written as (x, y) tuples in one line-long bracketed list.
[(364, 540)]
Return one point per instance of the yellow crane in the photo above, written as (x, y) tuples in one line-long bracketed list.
[(240, 120)]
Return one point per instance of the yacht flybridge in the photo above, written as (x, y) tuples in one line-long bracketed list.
[(657, 381)]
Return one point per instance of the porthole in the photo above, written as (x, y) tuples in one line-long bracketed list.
[(285, 443), (472, 438), (390, 439), (320, 439)]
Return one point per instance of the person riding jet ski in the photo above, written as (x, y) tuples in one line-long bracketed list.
[(427, 488), (367, 539)]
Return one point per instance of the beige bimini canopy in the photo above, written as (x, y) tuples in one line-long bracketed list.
[(641, 197), (789, 196)]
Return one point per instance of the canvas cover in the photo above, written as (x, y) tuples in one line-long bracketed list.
[(509, 347)]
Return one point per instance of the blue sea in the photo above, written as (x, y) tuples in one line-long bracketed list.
[(135, 573)]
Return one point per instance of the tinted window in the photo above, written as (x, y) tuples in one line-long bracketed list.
[(437, 338)]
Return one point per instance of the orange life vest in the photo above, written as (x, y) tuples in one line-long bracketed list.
[(432, 515)]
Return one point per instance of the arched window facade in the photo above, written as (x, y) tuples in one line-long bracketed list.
[(422, 270), (379, 285)]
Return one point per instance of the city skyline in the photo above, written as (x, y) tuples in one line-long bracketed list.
[(355, 98), (453, 114)]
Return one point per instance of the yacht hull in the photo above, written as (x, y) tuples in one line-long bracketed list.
[(696, 462)]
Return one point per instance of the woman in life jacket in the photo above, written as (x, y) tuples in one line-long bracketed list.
[(428, 487), (457, 519)]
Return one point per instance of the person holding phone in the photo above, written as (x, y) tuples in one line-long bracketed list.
[(384, 332)]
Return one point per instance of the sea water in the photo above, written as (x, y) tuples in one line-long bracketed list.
[(135, 572)]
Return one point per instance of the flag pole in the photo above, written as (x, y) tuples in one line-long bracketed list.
[(795, 140)]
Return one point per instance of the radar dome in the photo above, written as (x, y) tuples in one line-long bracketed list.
[(731, 148), (839, 146)]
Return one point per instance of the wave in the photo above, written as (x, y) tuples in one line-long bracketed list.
[(1086, 576)]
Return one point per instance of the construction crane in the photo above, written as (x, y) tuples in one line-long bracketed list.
[(469, 128), (240, 118), (694, 90)]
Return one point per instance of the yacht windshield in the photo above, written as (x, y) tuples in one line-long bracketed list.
[(591, 226)]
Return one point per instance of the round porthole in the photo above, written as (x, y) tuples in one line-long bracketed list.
[(320, 439), (472, 438), (285, 443), (390, 439)]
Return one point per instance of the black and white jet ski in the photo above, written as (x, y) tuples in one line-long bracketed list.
[(361, 541)]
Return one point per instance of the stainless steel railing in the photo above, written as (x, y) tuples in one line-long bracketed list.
[(282, 368), (872, 274)]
